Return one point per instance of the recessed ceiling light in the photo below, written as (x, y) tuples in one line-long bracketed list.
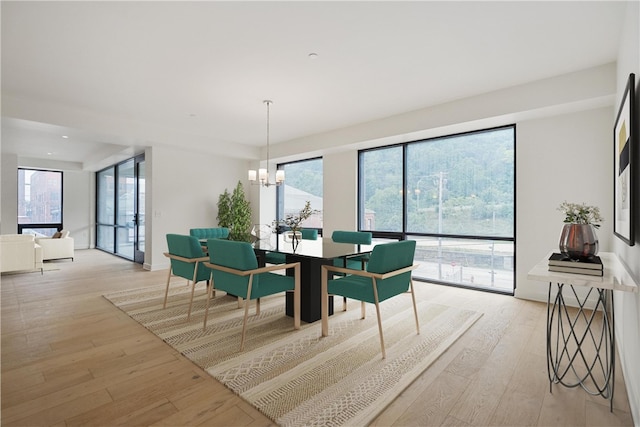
[(50, 153), (313, 55), (65, 136)]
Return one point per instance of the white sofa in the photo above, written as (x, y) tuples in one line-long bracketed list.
[(19, 252), (59, 246)]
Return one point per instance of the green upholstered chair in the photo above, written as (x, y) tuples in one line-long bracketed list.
[(280, 258), (388, 274), (187, 257), (354, 262), (209, 233), (356, 238), (235, 270)]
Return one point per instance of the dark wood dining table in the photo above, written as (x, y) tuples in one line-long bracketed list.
[(312, 255)]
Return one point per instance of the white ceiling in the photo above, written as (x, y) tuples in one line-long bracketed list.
[(194, 74)]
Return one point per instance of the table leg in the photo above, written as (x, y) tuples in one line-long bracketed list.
[(581, 341), (310, 288)]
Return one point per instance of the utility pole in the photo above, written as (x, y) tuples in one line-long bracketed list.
[(441, 182)]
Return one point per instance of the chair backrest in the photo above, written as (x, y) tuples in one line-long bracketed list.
[(210, 233), (186, 247), (236, 255), (309, 233), (356, 237), (389, 257)]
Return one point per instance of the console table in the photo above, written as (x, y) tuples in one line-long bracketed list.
[(581, 341)]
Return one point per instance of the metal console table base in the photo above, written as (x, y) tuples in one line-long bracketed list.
[(581, 342)]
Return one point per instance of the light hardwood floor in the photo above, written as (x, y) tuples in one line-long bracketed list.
[(71, 358)]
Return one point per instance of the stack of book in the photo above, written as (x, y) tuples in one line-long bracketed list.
[(560, 263)]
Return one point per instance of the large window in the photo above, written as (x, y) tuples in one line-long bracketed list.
[(39, 202), (454, 195), (303, 183)]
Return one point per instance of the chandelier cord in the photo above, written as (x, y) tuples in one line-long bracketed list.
[(268, 105), (262, 175)]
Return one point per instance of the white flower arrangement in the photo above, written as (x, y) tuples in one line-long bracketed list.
[(581, 214)]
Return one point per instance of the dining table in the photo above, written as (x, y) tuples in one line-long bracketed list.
[(312, 255)]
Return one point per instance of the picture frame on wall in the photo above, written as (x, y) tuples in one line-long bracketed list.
[(624, 167)]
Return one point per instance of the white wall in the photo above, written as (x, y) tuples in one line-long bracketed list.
[(183, 189), (566, 157), (78, 205), (626, 305), (9, 193), (340, 190)]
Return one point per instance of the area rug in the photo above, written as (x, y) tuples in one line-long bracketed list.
[(298, 377)]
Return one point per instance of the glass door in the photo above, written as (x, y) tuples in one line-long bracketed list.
[(125, 209), (120, 209), (139, 216)]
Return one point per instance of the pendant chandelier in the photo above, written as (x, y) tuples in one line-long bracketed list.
[(262, 176)]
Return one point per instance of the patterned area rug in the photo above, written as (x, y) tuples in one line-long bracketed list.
[(297, 377)]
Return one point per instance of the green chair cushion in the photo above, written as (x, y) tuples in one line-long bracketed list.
[(275, 258), (240, 256), (384, 258), (309, 234), (355, 237), (186, 247)]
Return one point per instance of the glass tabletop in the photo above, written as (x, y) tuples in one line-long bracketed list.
[(320, 248)]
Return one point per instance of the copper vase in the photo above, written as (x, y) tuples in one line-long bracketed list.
[(578, 241)]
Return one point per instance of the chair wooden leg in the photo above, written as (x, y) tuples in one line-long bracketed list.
[(210, 291), (244, 323), (375, 296), (166, 292), (324, 303), (257, 306), (363, 310), (384, 356), (415, 309), (344, 303), (246, 312), (193, 288)]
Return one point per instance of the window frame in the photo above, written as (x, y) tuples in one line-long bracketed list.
[(280, 191), (404, 234), (53, 225)]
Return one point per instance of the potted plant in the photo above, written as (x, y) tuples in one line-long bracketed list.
[(578, 240), (234, 212)]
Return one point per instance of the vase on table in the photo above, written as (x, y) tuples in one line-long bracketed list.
[(578, 241), (294, 238)]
